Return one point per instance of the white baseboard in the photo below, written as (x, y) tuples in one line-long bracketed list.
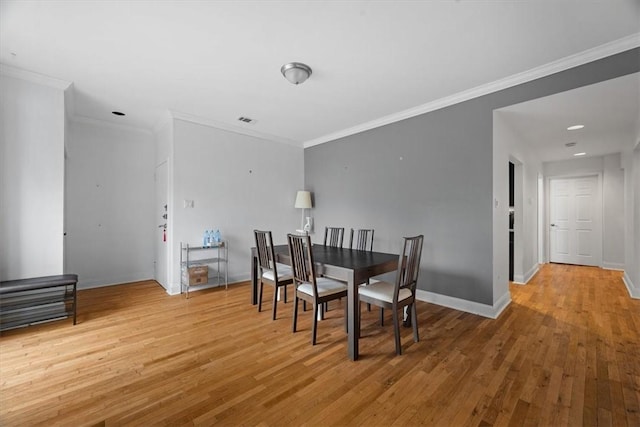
[(524, 279), (613, 266), (472, 307), (633, 291)]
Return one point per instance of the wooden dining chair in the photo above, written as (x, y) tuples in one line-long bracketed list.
[(271, 272), (402, 293), (363, 242), (333, 236), (308, 287), (363, 239)]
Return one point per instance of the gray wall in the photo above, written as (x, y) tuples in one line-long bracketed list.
[(432, 174)]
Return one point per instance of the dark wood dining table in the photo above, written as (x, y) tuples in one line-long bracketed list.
[(349, 265)]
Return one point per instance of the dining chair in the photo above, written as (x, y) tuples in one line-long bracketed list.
[(271, 272), (307, 285), (402, 293), (333, 236), (363, 239)]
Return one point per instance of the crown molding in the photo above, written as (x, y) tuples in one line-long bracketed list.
[(230, 128), (95, 122), (30, 76), (590, 55)]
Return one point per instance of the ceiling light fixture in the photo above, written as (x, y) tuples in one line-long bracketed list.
[(580, 154), (296, 72), (575, 127)]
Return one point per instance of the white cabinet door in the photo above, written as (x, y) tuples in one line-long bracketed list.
[(575, 235)]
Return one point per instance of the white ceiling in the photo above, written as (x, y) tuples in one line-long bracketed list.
[(609, 111), (372, 60)]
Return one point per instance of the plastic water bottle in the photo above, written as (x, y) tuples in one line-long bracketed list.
[(206, 238), (216, 236)]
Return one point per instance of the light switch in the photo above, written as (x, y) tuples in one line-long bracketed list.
[(188, 203)]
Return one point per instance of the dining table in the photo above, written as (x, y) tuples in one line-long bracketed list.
[(354, 267)]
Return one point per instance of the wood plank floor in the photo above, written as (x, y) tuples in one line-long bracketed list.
[(565, 352)]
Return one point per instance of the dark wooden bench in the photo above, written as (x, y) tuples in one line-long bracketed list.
[(28, 301)]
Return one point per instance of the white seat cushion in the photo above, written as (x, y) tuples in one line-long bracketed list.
[(383, 291), (371, 282), (284, 273), (325, 285)]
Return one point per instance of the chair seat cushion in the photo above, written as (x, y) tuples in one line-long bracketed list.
[(284, 273), (325, 285), (383, 291)]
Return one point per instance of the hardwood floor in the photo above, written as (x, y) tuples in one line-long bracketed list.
[(565, 352)]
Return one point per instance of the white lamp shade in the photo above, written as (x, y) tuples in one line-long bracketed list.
[(296, 72), (303, 200)]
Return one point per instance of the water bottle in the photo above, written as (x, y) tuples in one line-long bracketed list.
[(206, 238), (216, 236)]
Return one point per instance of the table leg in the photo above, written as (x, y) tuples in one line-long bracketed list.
[(353, 320)]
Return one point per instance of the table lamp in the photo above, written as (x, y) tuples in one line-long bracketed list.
[(303, 201)]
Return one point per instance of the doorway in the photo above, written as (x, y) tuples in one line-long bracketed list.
[(575, 221)]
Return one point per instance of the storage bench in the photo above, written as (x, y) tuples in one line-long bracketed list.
[(28, 301)]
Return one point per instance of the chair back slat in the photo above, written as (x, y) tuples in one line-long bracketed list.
[(264, 246), (301, 256), (409, 264), (363, 239), (333, 236)]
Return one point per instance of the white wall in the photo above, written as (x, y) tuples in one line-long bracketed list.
[(110, 199), (31, 179), (238, 183), (613, 213), (509, 146), (631, 163)]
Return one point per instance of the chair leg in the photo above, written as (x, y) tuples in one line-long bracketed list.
[(396, 331), (260, 297), (414, 317), (295, 312), (275, 303), (368, 307), (315, 323), (381, 316), (285, 293)]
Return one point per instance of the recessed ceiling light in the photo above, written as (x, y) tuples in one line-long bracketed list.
[(117, 113), (575, 127), (580, 154)]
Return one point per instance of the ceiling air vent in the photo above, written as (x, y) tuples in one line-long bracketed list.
[(570, 144), (246, 120)]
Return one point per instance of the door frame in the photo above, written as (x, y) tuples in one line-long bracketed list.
[(547, 212)]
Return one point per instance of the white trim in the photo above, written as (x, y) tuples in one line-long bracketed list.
[(230, 128), (590, 55), (524, 279), (30, 76), (472, 307), (633, 291), (612, 266)]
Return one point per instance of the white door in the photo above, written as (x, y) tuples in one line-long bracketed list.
[(161, 222), (575, 221)]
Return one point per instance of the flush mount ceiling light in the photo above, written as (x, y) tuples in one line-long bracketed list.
[(580, 154), (575, 127), (296, 72)]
